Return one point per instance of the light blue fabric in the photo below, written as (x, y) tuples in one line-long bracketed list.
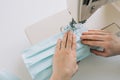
[(5, 75), (38, 58)]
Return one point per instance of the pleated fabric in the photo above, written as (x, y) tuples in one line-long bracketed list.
[(38, 58), (5, 75)]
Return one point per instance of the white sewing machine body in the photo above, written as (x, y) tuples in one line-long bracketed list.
[(81, 10), (98, 66), (100, 19)]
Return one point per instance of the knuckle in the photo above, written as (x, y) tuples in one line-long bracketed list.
[(85, 37), (65, 36), (63, 43), (97, 54), (70, 41), (66, 51), (107, 45), (85, 42), (109, 37), (106, 55), (74, 44), (96, 37), (109, 33)]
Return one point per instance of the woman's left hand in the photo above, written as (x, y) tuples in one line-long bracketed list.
[(64, 62)]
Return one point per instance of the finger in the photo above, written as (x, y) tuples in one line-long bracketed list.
[(94, 33), (102, 31), (93, 37), (69, 40), (96, 30), (58, 46), (74, 45), (99, 53), (94, 43), (74, 42), (64, 40)]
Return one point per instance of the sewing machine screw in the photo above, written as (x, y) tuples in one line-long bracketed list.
[(92, 9), (118, 34)]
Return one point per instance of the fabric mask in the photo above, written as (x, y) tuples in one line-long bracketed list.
[(5, 75), (38, 58)]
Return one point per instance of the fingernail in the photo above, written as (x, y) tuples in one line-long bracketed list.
[(59, 40)]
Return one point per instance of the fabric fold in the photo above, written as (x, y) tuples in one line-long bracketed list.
[(5, 75), (38, 58)]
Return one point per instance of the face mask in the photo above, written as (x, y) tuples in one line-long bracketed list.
[(4, 75), (38, 58)]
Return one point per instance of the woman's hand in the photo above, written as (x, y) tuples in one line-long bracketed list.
[(64, 62), (108, 41)]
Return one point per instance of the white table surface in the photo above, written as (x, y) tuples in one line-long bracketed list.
[(15, 16)]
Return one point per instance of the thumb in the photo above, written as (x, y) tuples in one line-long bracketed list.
[(99, 53)]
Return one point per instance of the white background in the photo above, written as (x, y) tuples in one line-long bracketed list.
[(15, 16)]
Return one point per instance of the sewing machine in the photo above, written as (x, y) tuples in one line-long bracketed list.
[(106, 17), (81, 10), (90, 13)]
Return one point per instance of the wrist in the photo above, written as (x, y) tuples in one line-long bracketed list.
[(58, 77)]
